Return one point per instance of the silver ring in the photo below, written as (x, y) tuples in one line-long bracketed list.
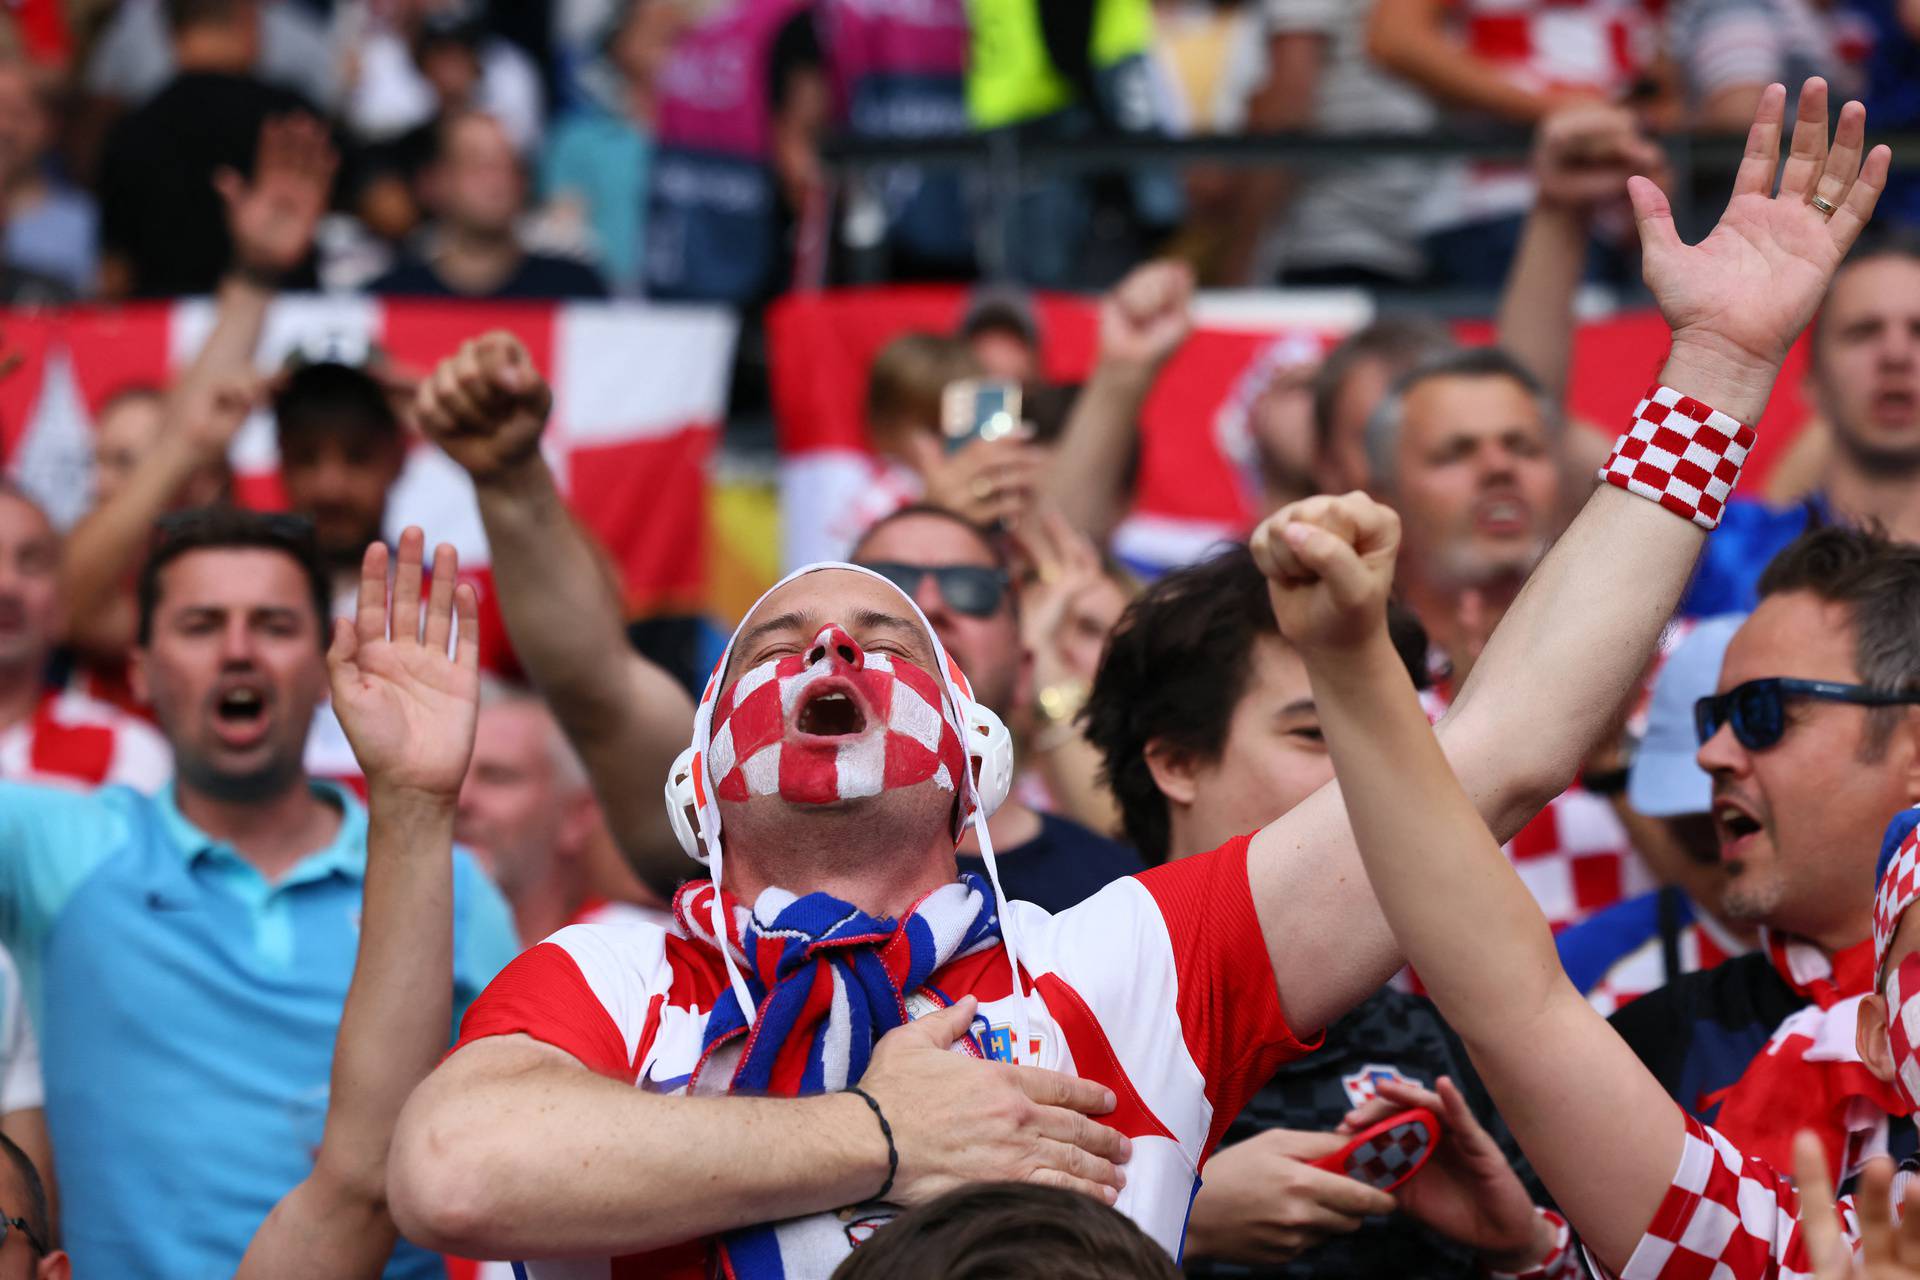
[(1824, 205)]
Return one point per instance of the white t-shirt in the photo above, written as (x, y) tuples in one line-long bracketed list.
[(20, 1084)]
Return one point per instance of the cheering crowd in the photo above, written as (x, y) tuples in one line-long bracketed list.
[(1495, 863)]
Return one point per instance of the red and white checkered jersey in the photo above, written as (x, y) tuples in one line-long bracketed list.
[(75, 740), (1701, 945), (1158, 987), (1545, 45), (1729, 1217), (1574, 857)]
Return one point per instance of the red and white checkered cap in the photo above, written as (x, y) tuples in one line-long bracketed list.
[(1681, 454), (1899, 886)]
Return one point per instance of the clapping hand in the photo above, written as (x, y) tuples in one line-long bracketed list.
[(407, 707)]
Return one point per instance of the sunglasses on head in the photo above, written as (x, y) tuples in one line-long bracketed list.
[(1757, 710), (972, 589)]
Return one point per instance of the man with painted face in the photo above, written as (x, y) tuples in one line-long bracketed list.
[(961, 581), (605, 1100)]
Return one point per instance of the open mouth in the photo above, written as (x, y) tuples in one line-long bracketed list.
[(240, 706), (1736, 827), (1503, 517), (831, 713)]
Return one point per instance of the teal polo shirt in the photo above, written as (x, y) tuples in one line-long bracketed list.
[(187, 1010)]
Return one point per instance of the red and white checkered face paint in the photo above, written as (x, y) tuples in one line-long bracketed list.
[(1903, 1028), (833, 723)]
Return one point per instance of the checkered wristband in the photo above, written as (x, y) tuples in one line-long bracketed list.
[(1561, 1264), (1680, 454)]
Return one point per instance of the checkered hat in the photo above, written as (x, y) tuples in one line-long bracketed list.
[(1899, 882)]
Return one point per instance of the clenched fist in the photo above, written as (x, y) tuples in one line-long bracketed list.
[(1329, 567), (485, 405)]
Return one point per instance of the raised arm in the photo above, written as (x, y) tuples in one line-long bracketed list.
[(1582, 158), (1410, 39), (628, 719), (105, 548), (409, 711), (1143, 321), (1582, 629), (514, 1149), (1602, 1133)]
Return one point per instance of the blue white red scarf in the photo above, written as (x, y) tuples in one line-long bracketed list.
[(828, 981)]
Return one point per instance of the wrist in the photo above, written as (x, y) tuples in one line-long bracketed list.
[(876, 1155), (407, 802), (1734, 381), (1543, 1257), (517, 479), (1130, 375)]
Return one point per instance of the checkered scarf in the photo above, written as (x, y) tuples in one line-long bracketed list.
[(829, 980), (1810, 1075)]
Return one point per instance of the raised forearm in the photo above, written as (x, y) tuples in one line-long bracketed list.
[(240, 316), (625, 716), (1600, 1130), (400, 1005), (1086, 480), (109, 542), (1535, 322), (529, 1155)]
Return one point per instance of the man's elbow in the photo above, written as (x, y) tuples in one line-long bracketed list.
[(438, 1185)]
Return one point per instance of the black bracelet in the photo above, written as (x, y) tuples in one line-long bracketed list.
[(886, 1131)]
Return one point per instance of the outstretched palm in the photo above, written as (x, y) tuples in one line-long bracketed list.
[(272, 217), (407, 707), (1748, 289)]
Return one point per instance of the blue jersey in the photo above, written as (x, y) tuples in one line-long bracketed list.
[(187, 1009), (1750, 535)]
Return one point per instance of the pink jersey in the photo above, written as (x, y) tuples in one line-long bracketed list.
[(75, 739), (1159, 987)]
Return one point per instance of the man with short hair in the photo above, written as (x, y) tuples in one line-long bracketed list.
[(527, 814), (1803, 779), (476, 191), (341, 450), (1466, 448), (26, 1228), (48, 734), (606, 1100), (1864, 374), (1352, 381), (187, 1063), (958, 576)]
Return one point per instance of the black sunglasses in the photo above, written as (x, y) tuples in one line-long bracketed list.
[(972, 589), (9, 1224), (1758, 713)]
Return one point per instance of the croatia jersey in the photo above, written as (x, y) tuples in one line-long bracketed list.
[(1159, 987), (72, 739)]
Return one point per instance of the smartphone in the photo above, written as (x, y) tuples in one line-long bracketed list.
[(1388, 1153), (978, 409)]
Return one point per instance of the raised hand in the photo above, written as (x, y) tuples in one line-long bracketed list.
[(407, 707), (1329, 568), (990, 482), (1737, 300), (485, 405), (1022, 1124), (1467, 1192), (1887, 1251), (271, 218), (1064, 562), (1584, 154), (1148, 314)]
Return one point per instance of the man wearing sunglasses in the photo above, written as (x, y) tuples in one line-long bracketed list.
[(26, 1245), (1812, 741), (958, 577)]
